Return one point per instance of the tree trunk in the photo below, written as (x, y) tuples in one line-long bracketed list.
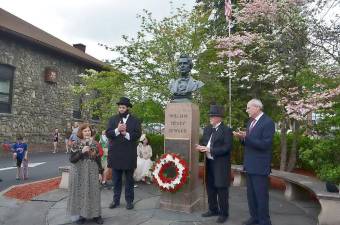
[(283, 145), (293, 151)]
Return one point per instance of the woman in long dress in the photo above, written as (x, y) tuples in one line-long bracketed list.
[(85, 174), (144, 163)]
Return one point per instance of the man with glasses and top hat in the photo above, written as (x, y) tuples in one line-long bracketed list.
[(123, 132), (217, 146)]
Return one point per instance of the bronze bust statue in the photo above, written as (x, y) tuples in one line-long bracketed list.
[(182, 88)]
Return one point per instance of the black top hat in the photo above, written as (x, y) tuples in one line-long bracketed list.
[(216, 110), (124, 101)]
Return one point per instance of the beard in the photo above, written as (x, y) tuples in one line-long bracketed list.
[(124, 114)]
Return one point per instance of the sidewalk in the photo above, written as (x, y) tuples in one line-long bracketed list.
[(50, 209)]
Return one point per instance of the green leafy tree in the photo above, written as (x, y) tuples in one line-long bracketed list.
[(149, 111), (100, 91), (150, 59)]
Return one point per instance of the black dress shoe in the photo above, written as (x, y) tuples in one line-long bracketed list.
[(113, 205), (250, 222), (129, 205), (81, 220), (221, 219), (209, 214), (98, 220)]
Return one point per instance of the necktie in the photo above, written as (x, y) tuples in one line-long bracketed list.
[(252, 125), (213, 131)]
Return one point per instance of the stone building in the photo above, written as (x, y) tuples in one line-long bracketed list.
[(36, 72)]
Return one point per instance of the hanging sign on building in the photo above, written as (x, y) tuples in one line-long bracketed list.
[(50, 75)]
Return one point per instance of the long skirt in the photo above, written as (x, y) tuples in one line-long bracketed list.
[(84, 190), (143, 169)]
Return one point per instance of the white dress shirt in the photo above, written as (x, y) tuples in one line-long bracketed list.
[(208, 154), (127, 136)]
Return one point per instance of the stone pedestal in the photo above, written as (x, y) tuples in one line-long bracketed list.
[(180, 136)]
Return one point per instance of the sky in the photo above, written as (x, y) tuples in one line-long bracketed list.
[(90, 21)]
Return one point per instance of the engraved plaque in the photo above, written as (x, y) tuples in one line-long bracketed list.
[(180, 146)]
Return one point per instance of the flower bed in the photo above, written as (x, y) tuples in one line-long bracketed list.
[(30, 190)]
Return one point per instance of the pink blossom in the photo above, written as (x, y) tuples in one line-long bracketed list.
[(237, 52), (257, 9), (239, 39)]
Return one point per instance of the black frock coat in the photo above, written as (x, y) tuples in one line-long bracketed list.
[(122, 153), (220, 149)]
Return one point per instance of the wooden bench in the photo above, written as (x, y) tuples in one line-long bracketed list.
[(296, 186), (65, 171)]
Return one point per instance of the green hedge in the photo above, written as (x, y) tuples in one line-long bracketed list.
[(319, 155), (157, 144), (304, 142), (324, 157)]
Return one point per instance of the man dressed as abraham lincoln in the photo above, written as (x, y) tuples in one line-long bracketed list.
[(124, 131)]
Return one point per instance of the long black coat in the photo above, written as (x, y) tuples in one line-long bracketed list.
[(122, 154), (220, 149)]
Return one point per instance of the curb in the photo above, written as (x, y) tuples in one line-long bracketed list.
[(20, 185)]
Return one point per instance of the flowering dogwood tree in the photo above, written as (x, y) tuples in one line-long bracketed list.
[(274, 44), (268, 50), (299, 109)]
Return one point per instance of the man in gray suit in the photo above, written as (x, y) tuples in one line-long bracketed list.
[(258, 141)]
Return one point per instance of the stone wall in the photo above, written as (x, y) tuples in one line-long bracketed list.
[(37, 106)]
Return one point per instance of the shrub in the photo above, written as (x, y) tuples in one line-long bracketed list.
[(321, 156), (324, 157), (157, 144), (237, 152)]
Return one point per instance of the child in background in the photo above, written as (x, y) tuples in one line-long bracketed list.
[(19, 153), (67, 132), (56, 137), (73, 136), (104, 143), (25, 164)]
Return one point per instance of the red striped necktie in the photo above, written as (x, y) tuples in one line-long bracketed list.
[(252, 125)]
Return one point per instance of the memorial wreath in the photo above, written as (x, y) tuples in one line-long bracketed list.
[(170, 172)]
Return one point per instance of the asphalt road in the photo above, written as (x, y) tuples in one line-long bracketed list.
[(48, 169)]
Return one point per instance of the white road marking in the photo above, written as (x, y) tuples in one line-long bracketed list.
[(30, 165), (35, 164), (7, 168)]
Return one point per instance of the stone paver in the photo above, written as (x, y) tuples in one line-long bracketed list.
[(50, 209)]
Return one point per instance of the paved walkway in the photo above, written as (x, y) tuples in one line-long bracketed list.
[(50, 209)]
